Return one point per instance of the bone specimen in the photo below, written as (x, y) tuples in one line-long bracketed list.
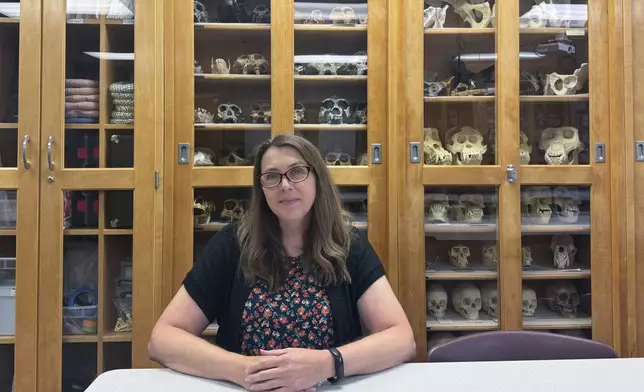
[(438, 207), (526, 256), (360, 113), (535, 202), (490, 298), (458, 256), (202, 116), (229, 113), (232, 158), (434, 153), (477, 15), (261, 14), (204, 157), (323, 68), (202, 210), (563, 298), (466, 300), (566, 203), (557, 84), (337, 159), (260, 113), (528, 301), (537, 17), (435, 89), (469, 208), (198, 69), (436, 300), (490, 256), (529, 83), (561, 145), (201, 14), (363, 160), (232, 210), (563, 251), (434, 17), (343, 15), (466, 145), (335, 110), (219, 66), (250, 64), (299, 113), (525, 149), (315, 17)]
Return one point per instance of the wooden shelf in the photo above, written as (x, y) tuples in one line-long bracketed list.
[(454, 322), (447, 228), (118, 126), (218, 225), (80, 231), (7, 232), (95, 126), (7, 339), (464, 99), (84, 21), (330, 127), (553, 98), (582, 226), (459, 31), (331, 78), (232, 77), (9, 20), (572, 32), (119, 22), (80, 338), (541, 273), (445, 271), (8, 125), (118, 231), (233, 26), (116, 337), (328, 28), (544, 318), (233, 127)]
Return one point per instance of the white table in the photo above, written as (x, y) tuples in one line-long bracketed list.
[(600, 375)]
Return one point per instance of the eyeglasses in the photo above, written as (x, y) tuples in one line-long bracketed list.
[(295, 174)]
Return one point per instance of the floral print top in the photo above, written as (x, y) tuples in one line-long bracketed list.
[(297, 314)]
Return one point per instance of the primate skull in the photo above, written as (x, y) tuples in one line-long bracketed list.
[(434, 89), (438, 207), (490, 256), (337, 159), (478, 14), (563, 298), (466, 145), (434, 17), (202, 116), (250, 64), (526, 256), (458, 255), (360, 61), (343, 15), (232, 210), (436, 300), (219, 66), (361, 113), (490, 299), (536, 203), (260, 113), (203, 157), (232, 158), (525, 149), (299, 113), (434, 153), (563, 250), (556, 84), (201, 14), (469, 208), (261, 14), (562, 145), (335, 110), (566, 203), (197, 68), (315, 17), (528, 301), (323, 68), (229, 113), (466, 300)]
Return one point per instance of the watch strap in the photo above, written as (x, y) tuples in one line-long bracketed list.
[(338, 363)]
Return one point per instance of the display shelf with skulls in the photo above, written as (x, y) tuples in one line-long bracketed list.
[(561, 304), (457, 305), (207, 12), (335, 14), (455, 322), (545, 318)]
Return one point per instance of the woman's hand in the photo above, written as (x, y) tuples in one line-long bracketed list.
[(290, 369)]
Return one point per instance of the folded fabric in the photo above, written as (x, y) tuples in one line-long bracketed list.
[(82, 90), (122, 87), (81, 105), (124, 109), (82, 98), (123, 96), (81, 83), (122, 121), (122, 115), (123, 102), (82, 113)]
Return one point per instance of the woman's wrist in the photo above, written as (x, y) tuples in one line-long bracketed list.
[(327, 364), (238, 365)]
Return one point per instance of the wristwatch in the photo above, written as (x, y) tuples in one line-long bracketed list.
[(338, 362)]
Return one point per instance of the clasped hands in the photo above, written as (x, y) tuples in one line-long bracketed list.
[(288, 370)]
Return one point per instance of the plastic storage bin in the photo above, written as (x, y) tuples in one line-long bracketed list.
[(79, 320), (7, 310)]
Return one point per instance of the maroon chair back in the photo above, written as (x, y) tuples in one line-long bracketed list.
[(518, 346)]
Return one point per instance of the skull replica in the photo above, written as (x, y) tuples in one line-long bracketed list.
[(434, 153), (229, 113), (201, 14), (260, 113), (324, 68), (566, 203), (562, 145), (434, 17), (436, 300), (233, 210), (250, 64), (202, 116), (556, 84), (315, 17), (478, 14), (299, 113), (466, 145), (469, 208), (458, 255), (197, 68), (360, 62), (203, 157), (337, 159), (528, 301), (466, 300), (438, 207), (563, 298), (360, 113), (490, 299), (526, 256), (335, 110), (219, 66), (343, 15), (261, 14), (563, 250), (525, 149), (232, 158), (536, 205), (490, 256), (364, 160)]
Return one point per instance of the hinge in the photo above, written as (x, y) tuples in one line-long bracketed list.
[(156, 179)]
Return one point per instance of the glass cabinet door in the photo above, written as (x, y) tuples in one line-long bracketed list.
[(19, 168)]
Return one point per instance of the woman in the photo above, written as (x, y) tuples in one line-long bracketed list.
[(291, 287)]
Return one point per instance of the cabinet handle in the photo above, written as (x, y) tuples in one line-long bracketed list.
[(639, 151), (49, 145), (376, 156), (414, 152), (600, 152), (511, 174), (25, 162)]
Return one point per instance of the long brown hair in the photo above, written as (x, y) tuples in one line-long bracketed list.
[(326, 242)]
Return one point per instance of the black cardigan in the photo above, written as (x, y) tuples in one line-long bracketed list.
[(216, 284)]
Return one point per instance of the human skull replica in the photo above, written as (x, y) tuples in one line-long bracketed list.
[(434, 153), (526, 256), (458, 255), (475, 12), (557, 84), (528, 301), (466, 300), (261, 14), (229, 113), (563, 250), (202, 116), (299, 113), (315, 17), (466, 145), (203, 157), (343, 15), (490, 256), (434, 17), (566, 202), (563, 298), (219, 66), (490, 299), (337, 159), (536, 203), (525, 148), (324, 68), (360, 113), (436, 300), (232, 158), (335, 110), (561, 145), (438, 207), (260, 113), (201, 14), (469, 208), (233, 210), (250, 64)]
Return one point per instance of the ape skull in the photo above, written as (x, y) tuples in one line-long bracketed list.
[(563, 298), (490, 256), (202, 116), (219, 66), (324, 68), (260, 113), (203, 157), (229, 113), (438, 207), (343, 15), (466, 145), (525, 148), (360, 62), (528, 301), (261, 14), (434, 153), (337, 159), (536, 203), (315, 17), (563, 250), (478, 14), (561, 145), (233, 210), (466, 300), (361, 113), (299, 113), (490, 299), (250, 64), (469, 208), (526, 256), (434, 17), (557, 84), (436, 300), (458, 255), (201, 14), (232, 158), (335, 110), (566, 203)]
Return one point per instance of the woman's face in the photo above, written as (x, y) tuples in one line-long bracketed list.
[(291, 195)]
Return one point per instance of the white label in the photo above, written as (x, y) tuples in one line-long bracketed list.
[(575, 32), (13, 291), (75, 21), (128, 21), (444, 321)]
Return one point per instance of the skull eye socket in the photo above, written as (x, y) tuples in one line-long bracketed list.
[(236, 109), (461, 139), (230, 204), (473, 139), (563, 297), (442, 303), (467, 302), (343, 103), (568, 134), (526, 303), (328, 104), (344, 158), (222, 107), (547, 135)]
